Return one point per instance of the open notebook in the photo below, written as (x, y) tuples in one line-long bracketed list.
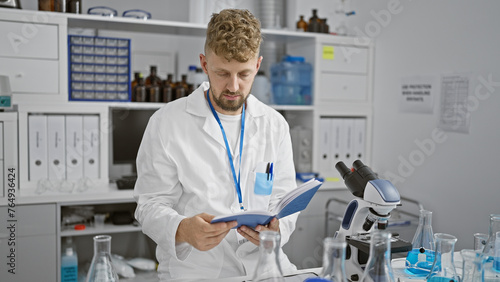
[(294, 201)]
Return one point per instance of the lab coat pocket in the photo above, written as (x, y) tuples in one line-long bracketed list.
[(263, 184)]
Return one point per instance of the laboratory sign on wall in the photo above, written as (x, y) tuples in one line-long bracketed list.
[(417, 94)]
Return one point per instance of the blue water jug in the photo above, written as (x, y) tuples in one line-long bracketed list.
[(291, 81)]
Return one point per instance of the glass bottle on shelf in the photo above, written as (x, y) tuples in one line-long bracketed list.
[(136, 80), (443, 269), (313, 25), (268, 267), (168, 89), (153, 76), (101, 269), (139, 91), (301, 24), (378, 268), (153, 82), (419, 260), (181, 89), (334, 251)]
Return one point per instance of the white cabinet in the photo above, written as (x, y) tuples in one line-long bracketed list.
[(29, 54), (29, 245)]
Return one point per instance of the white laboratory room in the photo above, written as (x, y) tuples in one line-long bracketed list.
[(352, 140)]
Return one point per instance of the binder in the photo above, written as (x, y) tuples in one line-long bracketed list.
[(325, 136), (360, 138), (91, 146), (56, 147), (347, 138), (336, 150), (74, 147), (37, 143)]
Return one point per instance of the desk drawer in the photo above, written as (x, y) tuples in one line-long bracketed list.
[(31, 219), (28, 40), (345, 59), (31, 76), (347, 87)]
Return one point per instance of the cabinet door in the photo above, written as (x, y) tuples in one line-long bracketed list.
[(28, 243), (346, 87), (31, 75), (344, 59), (28, 40)]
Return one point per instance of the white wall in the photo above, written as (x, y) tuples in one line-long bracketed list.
[(457, 179)]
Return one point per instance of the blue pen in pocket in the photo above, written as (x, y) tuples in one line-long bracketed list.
[(264, 181)]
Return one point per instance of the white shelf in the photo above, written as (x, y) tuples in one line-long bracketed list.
[(107, 229)]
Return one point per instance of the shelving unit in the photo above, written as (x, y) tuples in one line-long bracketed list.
[(50, 96)]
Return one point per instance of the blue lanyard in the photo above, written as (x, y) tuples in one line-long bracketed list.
[(236, 180)]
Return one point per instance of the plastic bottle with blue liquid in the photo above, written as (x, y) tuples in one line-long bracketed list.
[(69, 262), (420, 259)]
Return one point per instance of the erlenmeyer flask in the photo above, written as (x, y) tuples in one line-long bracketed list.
[(268, 267), (378, 267), (443, 268), (472, 265), (491, 266), (101, 269), (419, 260), (489, 248), (334, 259)]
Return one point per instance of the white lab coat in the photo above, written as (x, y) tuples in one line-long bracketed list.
[(183, 170)]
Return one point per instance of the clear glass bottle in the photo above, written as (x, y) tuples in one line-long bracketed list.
[(419, 260), (443, 268), (334, 250), (378, 268), (101, 269), (472, 265), (268, 267)]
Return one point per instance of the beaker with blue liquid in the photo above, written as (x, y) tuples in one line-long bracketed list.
[(420, 259)]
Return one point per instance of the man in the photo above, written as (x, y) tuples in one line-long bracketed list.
[(201, 155)]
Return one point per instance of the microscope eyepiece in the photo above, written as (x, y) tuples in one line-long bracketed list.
[(342, 169)]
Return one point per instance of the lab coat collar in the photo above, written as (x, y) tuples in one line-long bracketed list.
[(198, 105)]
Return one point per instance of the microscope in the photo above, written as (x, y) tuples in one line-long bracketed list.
[(374, 200)]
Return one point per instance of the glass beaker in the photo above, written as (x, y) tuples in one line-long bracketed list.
[(268, 267), (334, 259), (489, 248), (419, 260), (101, 269), (472, 265), (378, 267), (443, 268)]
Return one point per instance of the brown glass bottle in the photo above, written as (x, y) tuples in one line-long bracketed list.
[(313, 22), (139, 93), (181, 87), (153, 77), (301, 24), (323, 26), (135, 81), (153, 85), (168, 89)]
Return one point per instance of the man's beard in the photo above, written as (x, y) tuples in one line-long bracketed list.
[(229, 105)]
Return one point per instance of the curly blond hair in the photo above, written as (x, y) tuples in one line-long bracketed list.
[(233, 34)]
